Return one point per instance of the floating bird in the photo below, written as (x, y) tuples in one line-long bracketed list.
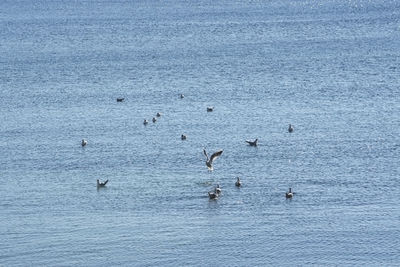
[(210, 109), (290, 128), (212, 195), (218, 189), (101, 184), (158, 114), (183, 137), (84, 142), (252, 143), (145, 122), (154, 119), (210, 160), (120, 99), (182, 96), (290, 193), (238, 183)]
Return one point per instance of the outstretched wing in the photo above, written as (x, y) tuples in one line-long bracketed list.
[(205, 153), (215, 155), (105, 182), (249, 142)]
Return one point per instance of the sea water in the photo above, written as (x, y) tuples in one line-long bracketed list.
[(329, 68)]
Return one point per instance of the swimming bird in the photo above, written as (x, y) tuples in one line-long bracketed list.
[(290, 128), (183, 137), (210, 109), (290, 193), (154, 119), (84, 142), (252, 143), (158, 114), (210, 160), (212, 195), (145, 122), (238, 183), (182, 96), (101, 184), (120, 99), (218, 189)]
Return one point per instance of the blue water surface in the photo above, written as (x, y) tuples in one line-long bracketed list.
[(329, 68)]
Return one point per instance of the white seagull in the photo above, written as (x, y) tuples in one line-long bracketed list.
[(210, 160), (218, 189)]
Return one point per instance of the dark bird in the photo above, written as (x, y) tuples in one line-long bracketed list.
[(183, 137), (101, 184), (290, 193), (215, 194), (252, 143), (210, 160), (84, 142), (212, 195), (210, 109), (182, 96), (120, 99), (238, 183), (290, 129), (145, 122), (154, 120), (158, 114)]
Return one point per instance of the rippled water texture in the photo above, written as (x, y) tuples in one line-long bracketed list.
[(330, 68)]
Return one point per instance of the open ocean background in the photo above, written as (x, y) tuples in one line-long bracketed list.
[(331, 68)]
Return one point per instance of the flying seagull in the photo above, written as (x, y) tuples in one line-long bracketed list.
[(252, 143), (210, 160)]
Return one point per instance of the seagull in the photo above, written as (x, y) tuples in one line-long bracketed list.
[(238, 183), (218, 189), (212, 195), (290, 193), (145, 122), (154, 119), (252, 143), (120, 99), (158, 114), (210, 160), (183, 137), (210, 109), (290, 128), (101, 184), (84, 142)]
